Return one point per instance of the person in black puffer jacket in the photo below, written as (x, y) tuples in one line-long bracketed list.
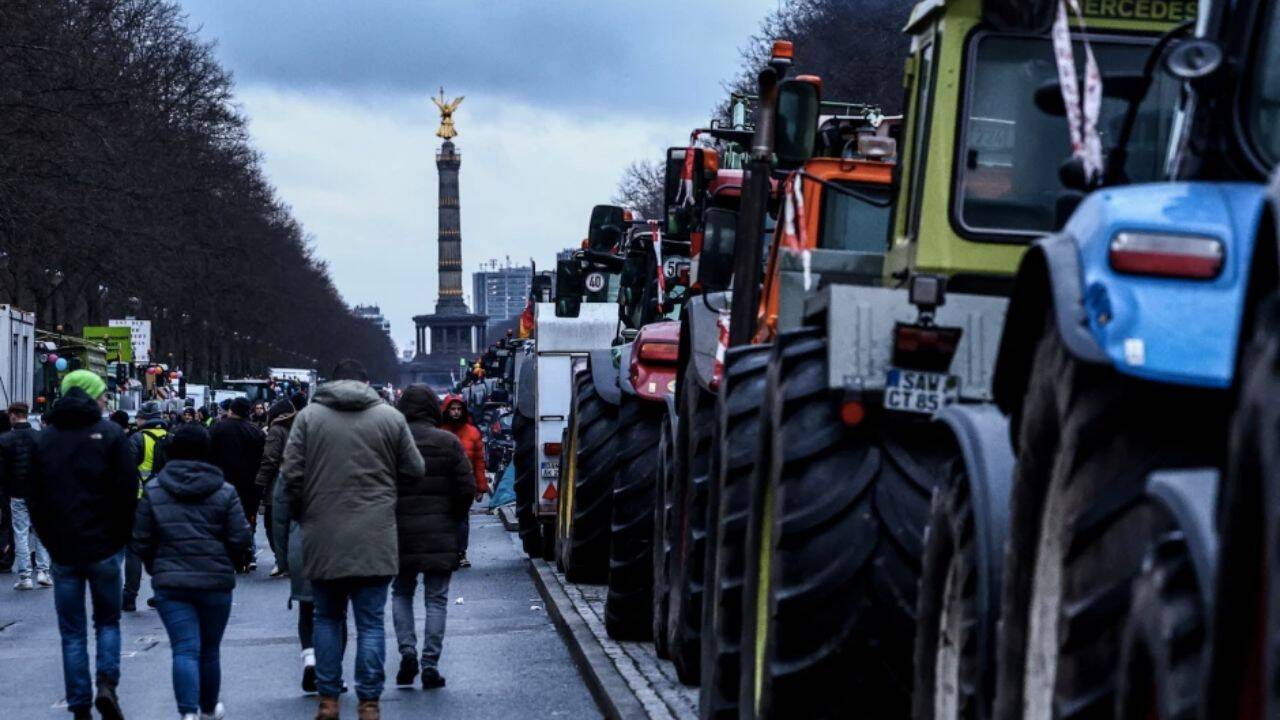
[(17, 457), (429, 511), (189, 529)]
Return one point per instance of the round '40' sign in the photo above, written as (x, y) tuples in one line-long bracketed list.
[(595, 282)]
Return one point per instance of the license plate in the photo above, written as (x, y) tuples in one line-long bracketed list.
[(550, 471), (919, 392)]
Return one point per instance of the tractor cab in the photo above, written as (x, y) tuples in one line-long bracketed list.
[(592, 273), (980, 159)]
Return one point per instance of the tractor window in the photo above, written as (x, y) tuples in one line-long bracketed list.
[(1264, 101), (851, 223), (1010, 152)]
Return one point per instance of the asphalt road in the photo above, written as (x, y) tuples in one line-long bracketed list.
[(502, 655)]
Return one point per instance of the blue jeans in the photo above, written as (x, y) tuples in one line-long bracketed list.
[(368, 598), (25, 541), (195, 621), (104, 583), (435, 604)]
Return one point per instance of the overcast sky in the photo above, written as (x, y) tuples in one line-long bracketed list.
[(560, 96)]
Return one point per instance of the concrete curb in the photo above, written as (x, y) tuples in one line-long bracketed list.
[(607, 685)]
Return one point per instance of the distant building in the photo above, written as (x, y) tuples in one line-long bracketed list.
[(373, 314), (500, 292)]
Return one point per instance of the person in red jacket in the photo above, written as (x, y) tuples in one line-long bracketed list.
[(458, 421)]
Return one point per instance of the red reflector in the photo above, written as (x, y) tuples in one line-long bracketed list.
[(659, 352), (1184, 256), (551, 448), (852, 413), (550, 493), (913, 338)]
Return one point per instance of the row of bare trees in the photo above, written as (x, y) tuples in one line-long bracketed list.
[(857, 47), (128, 186)]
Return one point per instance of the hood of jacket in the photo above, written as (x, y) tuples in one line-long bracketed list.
[(452, 399), (420, 403), (347, 395), (75, 410), (281, 411), (190, 480)]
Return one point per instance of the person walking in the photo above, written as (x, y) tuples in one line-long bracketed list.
[(428, 512), (189, 529), (347, 452), (279, 420), (82, 496), (17, 451), (457, 420), (237, 451), (147, 447)]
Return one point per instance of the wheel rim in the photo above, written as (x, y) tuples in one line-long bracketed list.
[(1043, 616), (946, 672)]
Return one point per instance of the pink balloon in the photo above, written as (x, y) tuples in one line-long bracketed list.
[(53, 358)]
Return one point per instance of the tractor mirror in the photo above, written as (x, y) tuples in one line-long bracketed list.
[(795, 131), (569, 288), (1193, 60), (605, 230), (713, 267)]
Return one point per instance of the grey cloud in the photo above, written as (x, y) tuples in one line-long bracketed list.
[(584, 55)]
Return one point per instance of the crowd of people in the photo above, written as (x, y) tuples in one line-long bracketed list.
[(358, 497)]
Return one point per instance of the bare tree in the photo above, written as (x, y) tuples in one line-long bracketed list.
[(641, 188), (128, 185)]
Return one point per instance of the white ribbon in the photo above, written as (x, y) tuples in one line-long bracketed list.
[(1082, 111)]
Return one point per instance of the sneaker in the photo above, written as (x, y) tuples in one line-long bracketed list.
[(408, 670), (253, 565), (277, 571), (107, 703), (130, 604), (463, 562), (219, 713), (189, 716), (432, 679), (43, 578), (151, 601), (24, 583)]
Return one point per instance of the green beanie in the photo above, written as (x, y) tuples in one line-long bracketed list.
[(86, 381)]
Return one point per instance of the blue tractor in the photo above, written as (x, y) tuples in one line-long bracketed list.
[(1119, 513)]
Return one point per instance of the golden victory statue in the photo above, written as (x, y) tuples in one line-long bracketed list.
[(447, 130)]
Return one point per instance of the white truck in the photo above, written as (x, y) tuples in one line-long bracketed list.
[(17, 355)]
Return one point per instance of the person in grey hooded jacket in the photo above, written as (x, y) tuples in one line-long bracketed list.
[(347, 452)]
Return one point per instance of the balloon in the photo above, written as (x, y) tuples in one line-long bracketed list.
[(179, 373), (60, 364), (53, 357)]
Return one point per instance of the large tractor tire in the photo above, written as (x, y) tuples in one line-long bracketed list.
[(664, 535), (830, 597), (953, 679), (1244, 665), (628, 606), (684, 623), (526, 484), (1080, 527), (1162, 658), (586, 485), (737, 438)]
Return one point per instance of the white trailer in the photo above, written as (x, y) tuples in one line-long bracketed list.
[(560, 341), (17, 355)]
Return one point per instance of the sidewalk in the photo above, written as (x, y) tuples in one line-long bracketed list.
[(627, 678)]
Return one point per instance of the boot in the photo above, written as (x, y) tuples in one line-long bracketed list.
[(328, 709), (408, 670), (368, 710), (107, 703)]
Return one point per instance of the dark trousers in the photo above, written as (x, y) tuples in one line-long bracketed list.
[(464, 534), (132, 575)]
